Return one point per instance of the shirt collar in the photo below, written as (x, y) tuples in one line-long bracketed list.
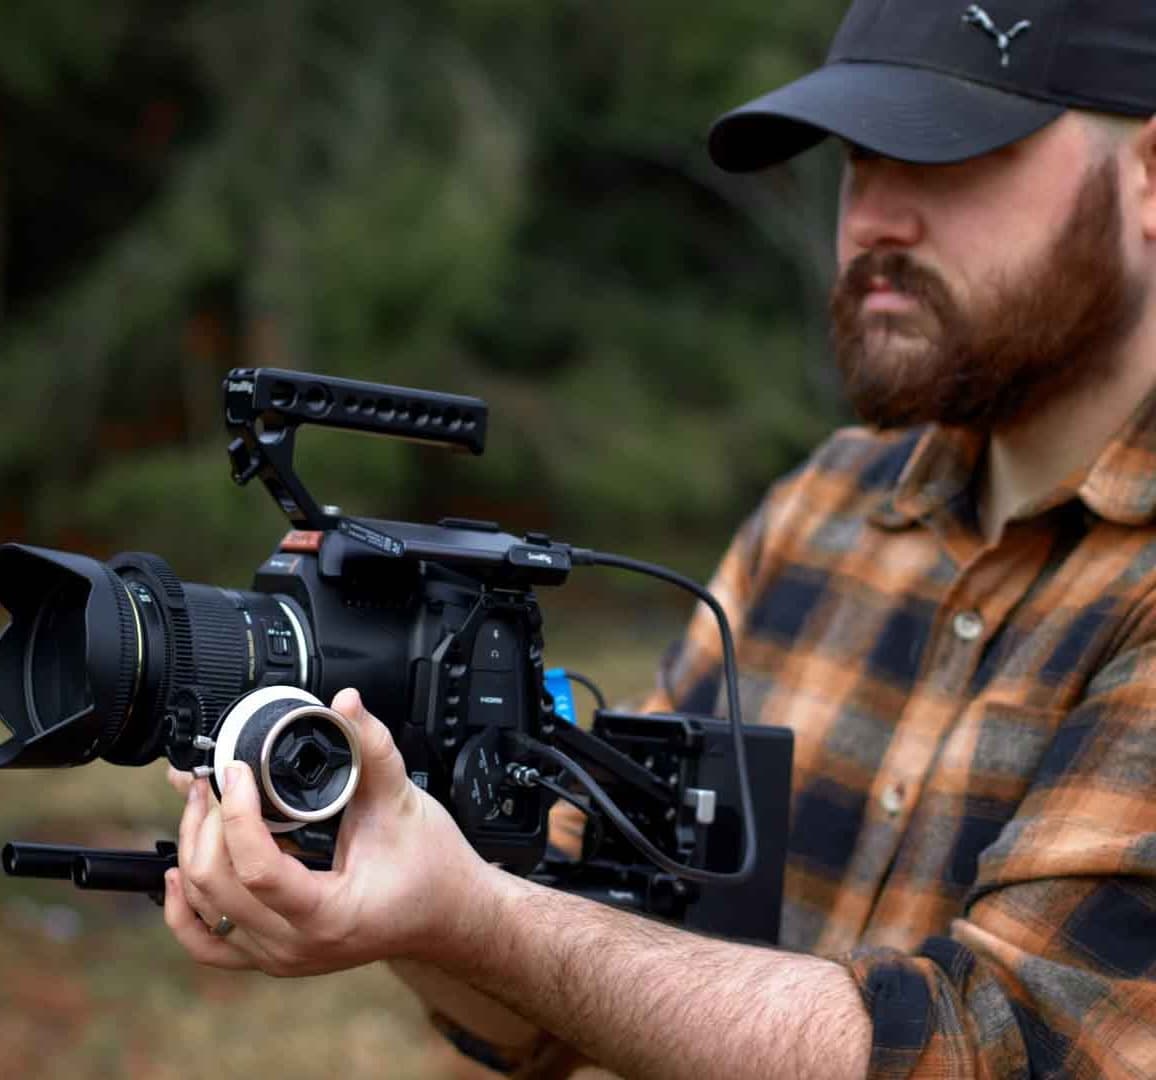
[(938, 471), (1119, 486)]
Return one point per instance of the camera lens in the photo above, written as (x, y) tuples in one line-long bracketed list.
[(96, 654)]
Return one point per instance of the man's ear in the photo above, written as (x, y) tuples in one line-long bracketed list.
[(1142, 161)]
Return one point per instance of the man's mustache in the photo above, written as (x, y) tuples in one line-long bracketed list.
[(901, 272)]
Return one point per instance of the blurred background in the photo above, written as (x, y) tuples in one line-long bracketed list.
[(503, 198)]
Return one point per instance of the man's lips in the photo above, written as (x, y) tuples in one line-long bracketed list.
[(883, 299)]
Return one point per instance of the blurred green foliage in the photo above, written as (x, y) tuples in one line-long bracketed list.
[(508, 198)]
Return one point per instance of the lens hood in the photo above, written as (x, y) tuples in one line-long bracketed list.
[(69, 660)]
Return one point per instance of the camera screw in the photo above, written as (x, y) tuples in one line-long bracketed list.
[(522, 775), (203, 742)]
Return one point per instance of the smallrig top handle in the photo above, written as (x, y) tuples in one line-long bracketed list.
[(264, 407)]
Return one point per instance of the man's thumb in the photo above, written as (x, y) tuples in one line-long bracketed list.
[(382, 769)]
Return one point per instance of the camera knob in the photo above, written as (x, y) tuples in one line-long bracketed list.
[(479, 772), (187, 715)]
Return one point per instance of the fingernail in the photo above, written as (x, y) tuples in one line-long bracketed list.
[(232, 772), (194, 795), (170, 880)]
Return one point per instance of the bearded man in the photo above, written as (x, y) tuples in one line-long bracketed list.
[(954, 609)]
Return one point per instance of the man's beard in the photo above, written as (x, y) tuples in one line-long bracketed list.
[(1034, 336)]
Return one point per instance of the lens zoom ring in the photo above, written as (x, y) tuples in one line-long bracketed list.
[(129, 672), (220, 646)]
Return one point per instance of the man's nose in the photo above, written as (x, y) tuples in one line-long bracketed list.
[(879, 210)]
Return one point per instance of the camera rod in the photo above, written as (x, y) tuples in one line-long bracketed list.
[(106, 869)]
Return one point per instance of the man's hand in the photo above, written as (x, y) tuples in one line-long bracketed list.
[(645, 999), (404, 882)]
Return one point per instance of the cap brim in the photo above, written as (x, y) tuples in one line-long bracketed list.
[(907, 113)]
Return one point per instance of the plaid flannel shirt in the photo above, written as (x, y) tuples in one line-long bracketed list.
[(974, 812)]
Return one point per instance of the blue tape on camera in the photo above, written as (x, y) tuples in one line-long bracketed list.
[(560, 690)]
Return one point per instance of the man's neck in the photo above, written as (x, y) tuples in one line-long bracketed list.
[(1026, 462)]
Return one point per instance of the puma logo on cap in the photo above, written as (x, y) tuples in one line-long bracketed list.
[(976, 16)]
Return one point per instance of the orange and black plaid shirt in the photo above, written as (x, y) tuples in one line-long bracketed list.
[(974, 810)]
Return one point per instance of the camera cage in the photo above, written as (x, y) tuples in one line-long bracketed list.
[(642, 773)]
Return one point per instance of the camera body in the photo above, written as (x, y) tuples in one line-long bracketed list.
[(440, 656)]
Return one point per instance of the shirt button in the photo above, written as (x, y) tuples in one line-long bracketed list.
[(968, 626), (891, 799)]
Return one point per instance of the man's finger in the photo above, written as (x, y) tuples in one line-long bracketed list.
[(383, 776), (274, 878), (181, 781), (193, 935), (213, 889), (196, 809)]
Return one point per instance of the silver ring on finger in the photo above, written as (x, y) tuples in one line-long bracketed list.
[(223, 927)]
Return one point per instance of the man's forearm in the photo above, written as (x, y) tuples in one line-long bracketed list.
[(648, 1000), (457, 1001)]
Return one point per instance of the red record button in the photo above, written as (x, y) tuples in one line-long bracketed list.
[(304, 543)]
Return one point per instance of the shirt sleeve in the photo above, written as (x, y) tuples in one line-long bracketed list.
[(1051, 971)]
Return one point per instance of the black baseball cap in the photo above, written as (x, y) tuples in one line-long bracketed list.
[(939, 81)]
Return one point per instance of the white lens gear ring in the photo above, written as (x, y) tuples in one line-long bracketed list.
[(225, 752)]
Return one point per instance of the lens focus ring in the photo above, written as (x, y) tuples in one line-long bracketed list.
[(178, 667), (129, 672)]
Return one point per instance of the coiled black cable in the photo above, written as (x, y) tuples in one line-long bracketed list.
[(586, 557)]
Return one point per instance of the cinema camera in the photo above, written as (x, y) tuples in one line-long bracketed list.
[(439, 628)]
